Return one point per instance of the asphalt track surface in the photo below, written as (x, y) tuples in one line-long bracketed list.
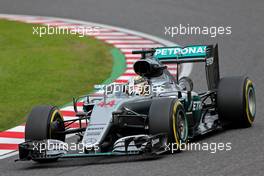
[(240, 54)]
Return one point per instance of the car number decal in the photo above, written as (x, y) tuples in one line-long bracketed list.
[(197, 105), (105, 104)]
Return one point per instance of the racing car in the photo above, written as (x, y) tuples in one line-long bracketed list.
[(161, 110)]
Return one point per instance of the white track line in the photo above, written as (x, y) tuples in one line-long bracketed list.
[(17, 129), (137, 46), (132, 56), (119, 37), (7, 153), (130, 41), (10, 140), (108, 34)]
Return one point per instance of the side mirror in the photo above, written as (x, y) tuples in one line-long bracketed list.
[(74, 105), (186, 83)]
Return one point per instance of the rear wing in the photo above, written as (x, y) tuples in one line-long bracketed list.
[(190, 54)]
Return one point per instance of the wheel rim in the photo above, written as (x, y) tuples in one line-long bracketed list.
[(182, 126), (251, 101), (57, 127)]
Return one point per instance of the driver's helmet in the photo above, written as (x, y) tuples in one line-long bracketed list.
[(139, 86)]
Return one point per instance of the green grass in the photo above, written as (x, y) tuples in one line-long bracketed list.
[(46, 70)]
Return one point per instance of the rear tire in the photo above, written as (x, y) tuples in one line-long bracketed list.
[(167, 115), (236, 102), (42, 123)]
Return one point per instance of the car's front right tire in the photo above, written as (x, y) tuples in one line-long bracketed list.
[(167, 115)]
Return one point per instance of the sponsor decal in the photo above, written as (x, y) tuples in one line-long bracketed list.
[(178, 52)]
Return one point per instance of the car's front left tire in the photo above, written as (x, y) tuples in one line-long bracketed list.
[(44, 122)]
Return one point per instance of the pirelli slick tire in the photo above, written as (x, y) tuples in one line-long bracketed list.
[(167, 115), (236, 102), (44, 122)]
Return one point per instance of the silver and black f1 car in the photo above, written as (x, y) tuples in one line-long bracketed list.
[(125, 122)]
